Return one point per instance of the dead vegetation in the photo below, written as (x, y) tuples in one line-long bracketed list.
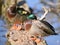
[(22, 38)]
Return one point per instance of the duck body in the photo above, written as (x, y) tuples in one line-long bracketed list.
[(42, 28)]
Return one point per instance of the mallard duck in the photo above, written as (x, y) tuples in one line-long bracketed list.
[(42, 28)]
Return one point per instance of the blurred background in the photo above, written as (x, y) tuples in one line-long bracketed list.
[(53, 17)]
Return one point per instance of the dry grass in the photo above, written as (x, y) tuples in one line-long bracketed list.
[(22, 38)]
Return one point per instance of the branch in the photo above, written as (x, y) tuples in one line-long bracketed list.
[(48, 3), (51, 4), (44, 15)]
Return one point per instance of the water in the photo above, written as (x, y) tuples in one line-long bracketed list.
[(3, 31), (53, 40)]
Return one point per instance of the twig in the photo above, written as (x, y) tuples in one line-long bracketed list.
[(44, 15), (49, 3)]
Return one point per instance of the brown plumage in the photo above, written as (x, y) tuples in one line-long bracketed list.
[(39, 28)]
